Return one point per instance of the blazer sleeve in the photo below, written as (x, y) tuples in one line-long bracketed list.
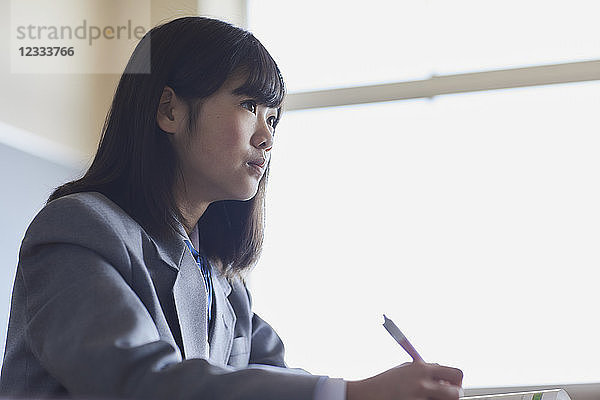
[(266, 346), (91, 332)]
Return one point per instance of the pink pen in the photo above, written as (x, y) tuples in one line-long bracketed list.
[(391, 327)]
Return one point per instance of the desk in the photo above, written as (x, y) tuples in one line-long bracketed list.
[(583, 391)]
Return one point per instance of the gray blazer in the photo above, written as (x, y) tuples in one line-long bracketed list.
[(102, 309)]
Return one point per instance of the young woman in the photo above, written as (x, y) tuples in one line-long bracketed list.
[(130, 279)]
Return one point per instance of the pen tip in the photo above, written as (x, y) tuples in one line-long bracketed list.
[(384, 317)]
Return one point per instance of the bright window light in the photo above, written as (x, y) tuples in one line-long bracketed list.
[(324, 44), (472, 220)]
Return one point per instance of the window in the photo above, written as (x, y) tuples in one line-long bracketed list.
[(325, 44), (472, 219)]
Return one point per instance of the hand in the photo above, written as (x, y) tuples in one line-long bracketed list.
[(410, 381)]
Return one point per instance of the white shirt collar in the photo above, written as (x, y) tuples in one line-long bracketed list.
[(194, 238)]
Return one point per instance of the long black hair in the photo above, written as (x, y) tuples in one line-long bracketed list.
[(135, 164)]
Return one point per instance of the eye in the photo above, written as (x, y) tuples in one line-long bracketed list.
[(250, 105), (272, 120)]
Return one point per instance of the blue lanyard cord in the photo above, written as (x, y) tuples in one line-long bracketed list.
[(204, 266)]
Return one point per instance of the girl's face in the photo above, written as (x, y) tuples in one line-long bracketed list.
[(226, 154)]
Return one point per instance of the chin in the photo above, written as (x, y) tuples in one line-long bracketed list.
[(250, 196), (246, 195)]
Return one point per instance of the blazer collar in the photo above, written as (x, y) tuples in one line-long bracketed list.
[(189, 293), (224, 320), (190, 301), (171, 247), (190, 297)]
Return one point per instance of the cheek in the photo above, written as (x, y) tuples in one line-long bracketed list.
[(220, 130), (224, 143), (233, 133)]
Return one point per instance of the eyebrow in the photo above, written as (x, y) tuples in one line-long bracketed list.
[(237, 92)]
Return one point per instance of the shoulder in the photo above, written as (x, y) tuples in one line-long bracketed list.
[(87, 219), (82, 212), (84, 206)]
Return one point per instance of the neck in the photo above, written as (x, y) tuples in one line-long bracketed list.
[(191, 209)]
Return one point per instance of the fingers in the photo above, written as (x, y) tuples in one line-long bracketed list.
[(417, 380), (442, 383), (438, 390), (451, 375)]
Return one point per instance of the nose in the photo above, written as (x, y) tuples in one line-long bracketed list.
[(263, 137)]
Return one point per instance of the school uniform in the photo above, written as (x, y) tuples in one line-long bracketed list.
[(100, 308)]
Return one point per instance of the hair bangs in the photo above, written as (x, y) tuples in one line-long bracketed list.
[(264, 81)]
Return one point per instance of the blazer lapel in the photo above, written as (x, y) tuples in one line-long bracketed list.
[(224, 323), (191, 303), (189, 293)]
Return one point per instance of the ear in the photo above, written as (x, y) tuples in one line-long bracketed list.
[(170, 111)]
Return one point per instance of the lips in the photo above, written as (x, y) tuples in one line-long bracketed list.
[(259, 162)]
